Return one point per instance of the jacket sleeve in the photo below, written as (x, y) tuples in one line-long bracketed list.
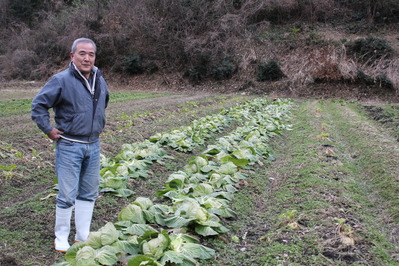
[(107, 99), (106, 91), (47, 98)]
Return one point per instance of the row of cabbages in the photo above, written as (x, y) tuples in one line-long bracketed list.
[(194, 200), (135, 159)]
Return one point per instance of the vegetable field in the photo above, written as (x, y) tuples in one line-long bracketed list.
[(197, 178)]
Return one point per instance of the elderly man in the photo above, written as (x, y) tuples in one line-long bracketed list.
[(78, 96)]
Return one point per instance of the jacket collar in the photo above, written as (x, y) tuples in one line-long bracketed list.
[(95, 73)]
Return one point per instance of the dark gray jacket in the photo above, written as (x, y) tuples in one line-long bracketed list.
[(78, 113)]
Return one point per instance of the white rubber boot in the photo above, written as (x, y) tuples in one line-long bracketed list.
[(62, 228), (83, 215)]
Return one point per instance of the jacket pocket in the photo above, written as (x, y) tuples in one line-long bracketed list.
[(99, 122), (80, 125)]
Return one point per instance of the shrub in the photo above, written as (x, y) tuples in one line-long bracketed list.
[(369, 49), (151, 67), (381, 81), (269, 71), (384, 82), (133, 64), (23, 63), (106, 50), (224, 70), (198, 70), (378, 11), (25, 10), (195, 74), (363, 78), (49, 47), (94, 25)]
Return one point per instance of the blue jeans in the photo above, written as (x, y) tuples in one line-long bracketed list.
[(78, 172)]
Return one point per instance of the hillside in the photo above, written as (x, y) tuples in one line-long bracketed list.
[(294, 48)]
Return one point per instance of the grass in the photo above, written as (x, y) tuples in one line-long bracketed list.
[(292, 207), (124, 96), (15, 107), (387, 114), (23, 106)]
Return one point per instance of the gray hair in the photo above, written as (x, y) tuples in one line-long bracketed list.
[(75, 43)]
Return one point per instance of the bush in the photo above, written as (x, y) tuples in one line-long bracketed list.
[(106, 50), (378, 11), (203, 68), (151, 67), (383, 82), (369, 49), (198, 70), (269, 71), (223, 71), (23, 63), (133, 64), (363, 78), (25, 10)]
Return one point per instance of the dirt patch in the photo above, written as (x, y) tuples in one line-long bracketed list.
[(378, 114), (8, 261), (389, 119)]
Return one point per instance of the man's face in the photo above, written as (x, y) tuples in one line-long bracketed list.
[(84, 57)]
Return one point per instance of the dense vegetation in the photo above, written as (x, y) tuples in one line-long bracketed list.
[(207, 40)]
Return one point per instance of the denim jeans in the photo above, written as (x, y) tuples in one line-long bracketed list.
[(78, 172)]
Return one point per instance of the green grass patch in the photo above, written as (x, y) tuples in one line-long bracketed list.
[(123, 96), (317, 203), (23, 106), (15, 107)]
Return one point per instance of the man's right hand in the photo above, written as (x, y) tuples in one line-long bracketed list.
[(54, 134)]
